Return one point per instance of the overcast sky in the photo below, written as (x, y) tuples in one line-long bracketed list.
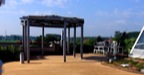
[(102, 17)]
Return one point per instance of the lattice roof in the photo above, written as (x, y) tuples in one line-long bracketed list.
[(53, 21)]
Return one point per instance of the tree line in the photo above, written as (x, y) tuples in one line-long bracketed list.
[(10, 38)]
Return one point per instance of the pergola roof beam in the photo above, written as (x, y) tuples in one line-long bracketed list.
[(53, 21)]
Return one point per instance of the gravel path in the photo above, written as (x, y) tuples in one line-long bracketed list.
[(53, 65)]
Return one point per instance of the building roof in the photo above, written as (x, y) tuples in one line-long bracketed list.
[(52, 21)]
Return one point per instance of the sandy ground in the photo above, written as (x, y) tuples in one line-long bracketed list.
[(54, 65)]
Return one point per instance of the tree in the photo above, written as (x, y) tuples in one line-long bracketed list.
[(126, 40), (52, 37), (132, 34), (118, 35), (122, 40), (129, 43), (48, 38), (2, 2), (38, 39), (99, 38), (90, 41)]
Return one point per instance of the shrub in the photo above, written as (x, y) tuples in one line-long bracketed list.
[(9, 53), (139, 66), (131, 62)]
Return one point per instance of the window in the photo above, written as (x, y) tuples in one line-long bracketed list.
[(140, 43)]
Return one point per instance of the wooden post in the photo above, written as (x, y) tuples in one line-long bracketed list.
[(68, 41), (74, 42), (42, 42), (81, 46), (27, 41), (23, 31), (23, 44), (64, 41), (61, 41)]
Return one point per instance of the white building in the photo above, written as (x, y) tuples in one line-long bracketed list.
[(137, 50)]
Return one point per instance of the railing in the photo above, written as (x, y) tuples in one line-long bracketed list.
[(105, 50)]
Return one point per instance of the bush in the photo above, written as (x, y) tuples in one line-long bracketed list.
[(131, 62), (139, 66), (9, 53), (129, 43)]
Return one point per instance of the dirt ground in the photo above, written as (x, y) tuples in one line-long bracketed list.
[(54, 65)]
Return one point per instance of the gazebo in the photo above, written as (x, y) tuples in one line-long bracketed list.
[(51, 21)]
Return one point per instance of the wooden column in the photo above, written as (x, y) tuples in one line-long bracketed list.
[(23, 37), (61, 41), (81, 45), (64, 41), (74, 42), (23, 44), (42, 41), (68, 41), (27, 41)]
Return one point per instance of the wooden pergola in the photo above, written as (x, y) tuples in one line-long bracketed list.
[(51, 21)]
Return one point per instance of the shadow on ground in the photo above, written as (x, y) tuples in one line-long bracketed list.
[(97, 58), (37, 57)]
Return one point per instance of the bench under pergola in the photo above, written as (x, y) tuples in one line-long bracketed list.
[(51, 21)]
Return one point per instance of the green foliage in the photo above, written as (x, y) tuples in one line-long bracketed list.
[(136, 64), (139, 66), (38, 38), (116, 63), (99, 38), (48, 38), (11, 48), (9, 53), (52, 37), (132, 35), (117, 36), (126, 40), (132, 63), (120, 37), (129, 43), (13, 38), (3, 48), (90, 41)]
